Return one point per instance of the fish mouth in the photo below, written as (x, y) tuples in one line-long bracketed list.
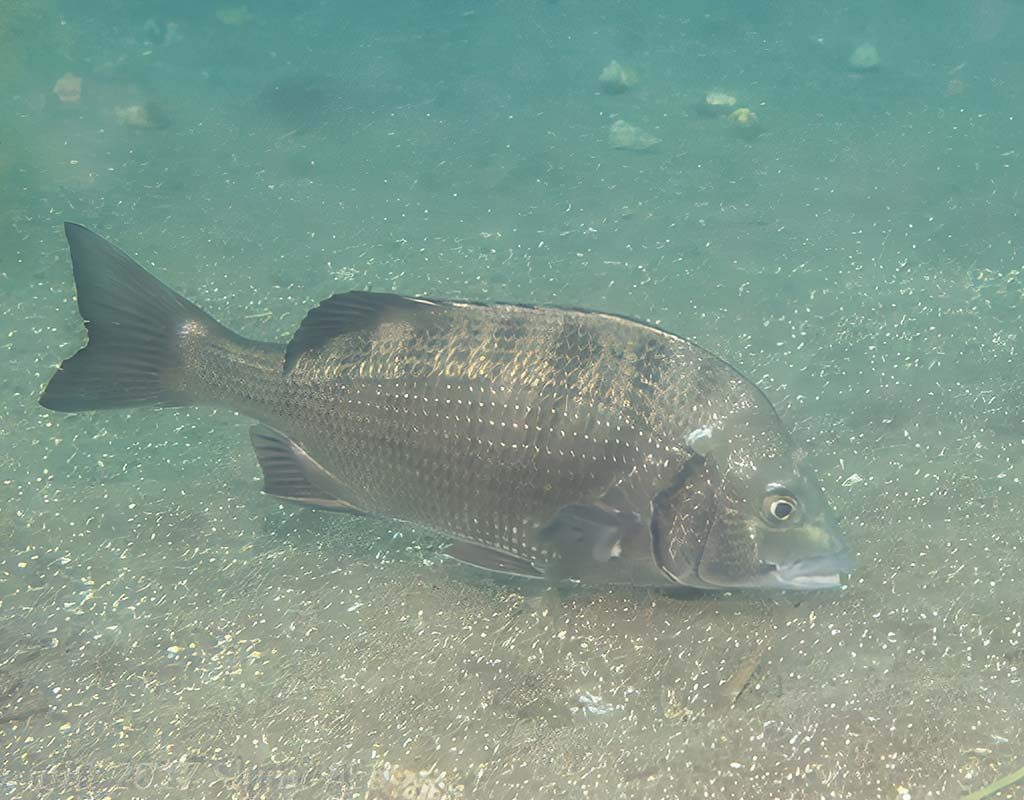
[(818, 572), (815, 572)]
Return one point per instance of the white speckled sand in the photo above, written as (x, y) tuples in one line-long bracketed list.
[(166, 631)]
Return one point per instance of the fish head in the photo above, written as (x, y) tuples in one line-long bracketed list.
[(750, 514), (775, 529)]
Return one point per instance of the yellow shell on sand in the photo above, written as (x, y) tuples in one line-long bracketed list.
[(743, 118), (234, 15)]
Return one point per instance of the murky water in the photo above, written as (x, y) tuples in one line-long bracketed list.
[(167, 631)]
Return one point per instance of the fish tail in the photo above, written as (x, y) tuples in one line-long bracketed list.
[(137, 328)]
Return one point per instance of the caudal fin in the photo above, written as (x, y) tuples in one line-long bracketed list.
[(135, 326)]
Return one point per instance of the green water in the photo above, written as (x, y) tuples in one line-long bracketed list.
[(167, 631)]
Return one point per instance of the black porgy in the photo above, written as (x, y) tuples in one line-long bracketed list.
[(545, 442)]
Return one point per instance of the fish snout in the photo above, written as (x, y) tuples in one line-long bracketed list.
[(812, 556), (816, 572)]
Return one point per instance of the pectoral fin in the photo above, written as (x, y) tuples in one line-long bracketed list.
[(290, 473), (588, 532), (606, 539)]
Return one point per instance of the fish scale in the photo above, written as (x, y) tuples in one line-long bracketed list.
[(492, 483)]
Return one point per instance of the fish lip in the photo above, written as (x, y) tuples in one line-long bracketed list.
[(819, 572), (832, 581)]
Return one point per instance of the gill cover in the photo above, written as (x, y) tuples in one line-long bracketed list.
[(683, 517)]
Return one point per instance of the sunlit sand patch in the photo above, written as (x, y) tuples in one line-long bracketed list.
[(234, 15), (140, 115), (392, 782), (864, 58), (302, 100)]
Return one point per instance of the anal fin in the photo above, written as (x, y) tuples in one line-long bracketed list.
[(476, 555), (290, 473)]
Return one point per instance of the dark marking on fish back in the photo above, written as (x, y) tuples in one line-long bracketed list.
[(576, 351), (512, 329), (652, 357)]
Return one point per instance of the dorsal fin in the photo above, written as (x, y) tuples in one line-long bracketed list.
[(348, 312)]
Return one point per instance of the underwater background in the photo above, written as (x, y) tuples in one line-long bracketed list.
[(852, 242)]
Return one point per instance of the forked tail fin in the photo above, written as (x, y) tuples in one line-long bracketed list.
[(136, 326)]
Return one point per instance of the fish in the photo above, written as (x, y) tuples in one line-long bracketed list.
[(556, 443)]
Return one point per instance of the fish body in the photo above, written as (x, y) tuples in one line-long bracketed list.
[(546, 442)]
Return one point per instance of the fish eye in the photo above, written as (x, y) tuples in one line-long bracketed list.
[(780, 507)]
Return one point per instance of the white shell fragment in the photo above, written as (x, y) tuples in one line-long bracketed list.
[(616, 78), (700, 440), (593, 704), (720, 100), (624, 136)]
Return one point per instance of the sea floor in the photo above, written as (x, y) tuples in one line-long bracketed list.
[(167, 631)]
